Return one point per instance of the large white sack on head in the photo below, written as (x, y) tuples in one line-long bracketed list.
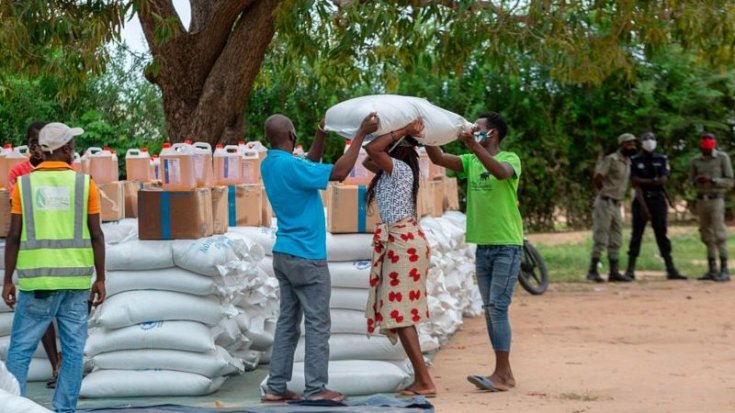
[(394, 112), (16, 404), (358, 347), (349, 298), (6, 323), (170, 279), (148, 383), (211, 364), (205, 255), (139, 255), (120, 231), (8, 383), (5, 345), (134, 307), (172, 335), (355, 377)]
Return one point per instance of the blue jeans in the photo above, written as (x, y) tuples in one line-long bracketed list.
[(32, 318), (305, 291), (497, 268)]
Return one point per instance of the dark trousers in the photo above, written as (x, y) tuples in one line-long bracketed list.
[(658, 207)]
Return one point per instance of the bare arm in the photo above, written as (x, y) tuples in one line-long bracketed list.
[(598, 179), (377, 149), (12, 247), (500, 170), (346, 162), (317, 147), (370, 165), (446, 160), (98, 248)]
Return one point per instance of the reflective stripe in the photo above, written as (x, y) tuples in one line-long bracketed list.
[(31, 243), (56, 272)]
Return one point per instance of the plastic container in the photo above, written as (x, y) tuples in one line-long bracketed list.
[(115, 165), (138, 165), (155, 167), (23, 150), (299, 151), (251, 167), (100, 165), (77, 163), (203, 164), (4, 169), (258, 147), (177, 167), (359, 175), (227, 165)]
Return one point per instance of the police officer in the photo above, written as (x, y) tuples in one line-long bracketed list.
[(649, 172), (711, 175), (611, 180)]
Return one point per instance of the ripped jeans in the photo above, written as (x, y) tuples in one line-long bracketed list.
[(497, 268)]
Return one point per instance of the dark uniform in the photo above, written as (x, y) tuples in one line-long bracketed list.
[(654, 169)]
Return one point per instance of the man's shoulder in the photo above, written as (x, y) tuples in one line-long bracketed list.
[(722, 154)]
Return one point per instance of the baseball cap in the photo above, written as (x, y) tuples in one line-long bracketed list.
[(55, 135), (625, 138)]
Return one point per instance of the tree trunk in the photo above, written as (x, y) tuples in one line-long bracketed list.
[(206, 75)]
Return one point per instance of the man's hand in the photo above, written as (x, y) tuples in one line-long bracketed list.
[(467, 138), (9, 294), (703, 179), (415, 128), (98, 293), (369, 124), (321, 127)]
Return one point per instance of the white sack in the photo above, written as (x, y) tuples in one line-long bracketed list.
[(355, 377), (263, 236), (340, 247), (120, 231), (348, 322), (133, 307), (344, 274), (16, 404), (40, 370), (138, 255), (171, 335), (211, 364), (5, 345), (148, 383), (4, 307), (349, 298), (8, 383), (170, 279), (6, 323), (358, 347), (204, 255), (394, 112)]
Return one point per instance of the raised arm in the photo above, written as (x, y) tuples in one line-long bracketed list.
[(377, 149), (346, 162), (446, 160), (317, 147), (500, 170)]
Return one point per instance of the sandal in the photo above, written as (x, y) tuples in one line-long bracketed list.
[(413, 393), (289, 396)]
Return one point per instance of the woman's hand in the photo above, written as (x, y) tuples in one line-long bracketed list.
[(415, 128)]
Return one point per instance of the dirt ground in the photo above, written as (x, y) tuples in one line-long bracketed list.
[(647, 347)]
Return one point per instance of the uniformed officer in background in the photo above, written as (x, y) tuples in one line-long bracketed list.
[(711, 175), (649, 172), (611, 180)]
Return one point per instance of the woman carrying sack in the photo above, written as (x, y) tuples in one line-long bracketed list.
[(397, 300)]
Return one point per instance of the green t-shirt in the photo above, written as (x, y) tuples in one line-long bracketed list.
[(493, 217)]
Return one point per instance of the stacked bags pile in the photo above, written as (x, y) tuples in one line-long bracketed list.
[(362, 365), (10, 400), (180, 315)]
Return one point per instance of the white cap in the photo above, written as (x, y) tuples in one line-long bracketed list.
[(55, 135)]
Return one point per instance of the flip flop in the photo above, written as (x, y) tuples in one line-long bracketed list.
[(484, 384), (289, 396), (412, 393)]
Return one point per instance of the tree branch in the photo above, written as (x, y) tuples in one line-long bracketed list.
[(151, 13)]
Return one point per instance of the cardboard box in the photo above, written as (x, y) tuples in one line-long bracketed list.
[(112, 201), (131, 198), (436, 193), (429, 170), (4, 212), (245, 205), (347, 212), (424, 199), (220, 212), (266, 220), (166, 215), (451, 194)]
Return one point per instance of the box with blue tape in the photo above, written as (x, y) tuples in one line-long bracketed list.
[(347, 212), (166, 215)]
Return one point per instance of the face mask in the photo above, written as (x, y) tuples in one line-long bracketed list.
[(629, 152), (480, 136), (707, 144), (649, 145)]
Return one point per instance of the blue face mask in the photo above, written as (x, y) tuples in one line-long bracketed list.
[(480, 136)]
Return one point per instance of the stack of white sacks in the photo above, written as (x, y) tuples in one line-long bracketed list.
[(180, 315), (40, 368), (362, 365)]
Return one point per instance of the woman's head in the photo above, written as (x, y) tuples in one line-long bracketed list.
[(405, 151)]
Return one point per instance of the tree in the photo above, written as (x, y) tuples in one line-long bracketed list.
[(206, 71)]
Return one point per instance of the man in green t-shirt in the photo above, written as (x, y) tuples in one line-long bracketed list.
[(493, 223)]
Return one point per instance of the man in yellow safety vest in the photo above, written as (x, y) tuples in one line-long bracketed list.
[(56, 245)]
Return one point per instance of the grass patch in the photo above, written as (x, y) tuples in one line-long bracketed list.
[(570, 262)]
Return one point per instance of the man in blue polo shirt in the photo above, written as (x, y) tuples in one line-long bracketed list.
[(300, 253)]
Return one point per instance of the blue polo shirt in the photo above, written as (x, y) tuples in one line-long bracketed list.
[(292, 185)]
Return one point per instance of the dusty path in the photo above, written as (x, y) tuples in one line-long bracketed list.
[(646, 347)]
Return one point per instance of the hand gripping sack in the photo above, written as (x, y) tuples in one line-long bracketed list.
[(394, 112)]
